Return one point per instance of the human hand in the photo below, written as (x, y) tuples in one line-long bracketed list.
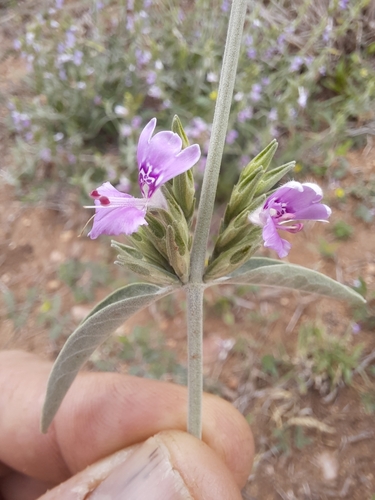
[(129, 428)]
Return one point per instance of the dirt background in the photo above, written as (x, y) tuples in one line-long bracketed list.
[(314, 445)]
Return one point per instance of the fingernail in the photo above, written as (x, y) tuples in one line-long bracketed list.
[(146, 474)]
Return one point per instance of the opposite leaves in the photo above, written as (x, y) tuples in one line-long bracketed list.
[(105, 318), (270, 272)]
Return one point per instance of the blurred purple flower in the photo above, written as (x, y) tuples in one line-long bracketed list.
[(225, 6), (125, 130), (70, 38), (130, 24), (296, 63), (77, 57), (155, 92), (59, 4), (251, 53), (136, 121), (284, 210), (45, 155), (249, 40), (21, 120), (245, 114), (272, 115), (159, 158), (196, 128), (322, 70), (356, 328), (245, 159), (212, 77), (143, 57), (17, 45), (151, 77), (256, 92), (343, 4), (327, 32), (71, 159), (280, 43), (231, 136)]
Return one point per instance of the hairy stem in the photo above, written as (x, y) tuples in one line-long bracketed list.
[(195, 287), (217, 139), (194, 293)]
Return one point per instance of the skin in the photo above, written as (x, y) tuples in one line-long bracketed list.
[(102, 414)]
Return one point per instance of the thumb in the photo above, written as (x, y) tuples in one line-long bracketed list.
[(171, 465)]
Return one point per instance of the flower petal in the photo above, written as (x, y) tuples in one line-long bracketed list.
[(273, 240), (316, 211), (106, 189), (160, 159), (144, 140), (120, 214), (115, 221), (297, 196), (180, 163)]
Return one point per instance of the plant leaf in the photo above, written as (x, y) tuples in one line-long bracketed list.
[(270, 272), (93, 331)]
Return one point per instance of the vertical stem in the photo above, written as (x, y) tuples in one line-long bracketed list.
[(217, 139), (194, 293), (195, 287)]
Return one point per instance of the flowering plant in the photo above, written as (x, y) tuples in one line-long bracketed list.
[(168, 257), (159, 159)]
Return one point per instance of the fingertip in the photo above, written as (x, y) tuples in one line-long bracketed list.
[(203, 472), (226, 430)]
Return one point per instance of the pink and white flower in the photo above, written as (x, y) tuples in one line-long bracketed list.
[(285, 209), (160, 158)]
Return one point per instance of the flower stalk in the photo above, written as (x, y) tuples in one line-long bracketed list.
[(194, 294), (195, 286), (217, 139)]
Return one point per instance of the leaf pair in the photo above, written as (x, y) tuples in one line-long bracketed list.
[(111, 313)]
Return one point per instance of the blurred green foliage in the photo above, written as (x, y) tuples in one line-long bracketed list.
[(99, 70)]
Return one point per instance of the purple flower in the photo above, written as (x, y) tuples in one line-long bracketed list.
[(77, 57), (231, 136), (343, 4), (70, 38), (151, 77), (245, 114), (256, 92), (296, 63), (284, 210), (356, 328), (225, 6), (45, 155), (251, 53), (159, 158)]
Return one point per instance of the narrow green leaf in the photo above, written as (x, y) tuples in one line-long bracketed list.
[(271, 272), (177, 128), (93, 331), (263, 158)]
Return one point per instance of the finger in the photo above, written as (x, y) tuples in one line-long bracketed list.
[(172, 465), (102, 413)]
